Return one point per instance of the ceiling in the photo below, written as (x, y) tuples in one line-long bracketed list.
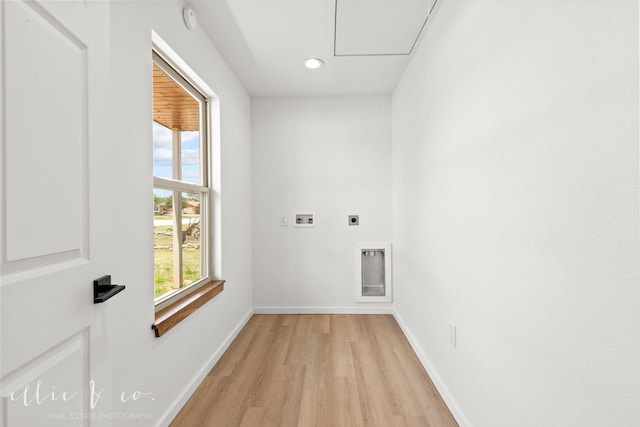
[(365, 44)]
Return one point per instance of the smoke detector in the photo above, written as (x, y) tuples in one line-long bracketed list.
[(189, 18)]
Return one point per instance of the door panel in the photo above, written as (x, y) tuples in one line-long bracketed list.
[(58, 375), (46, 77), (55, 214)]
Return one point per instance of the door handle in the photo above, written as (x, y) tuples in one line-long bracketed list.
[(103, 289)]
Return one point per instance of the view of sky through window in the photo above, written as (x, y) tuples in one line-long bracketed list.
[(163, 154)]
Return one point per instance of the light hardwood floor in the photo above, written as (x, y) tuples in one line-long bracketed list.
[(317, 370)]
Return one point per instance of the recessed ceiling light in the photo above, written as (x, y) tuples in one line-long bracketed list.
[(313, 63)]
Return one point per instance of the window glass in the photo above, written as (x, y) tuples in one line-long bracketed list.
[(191, 253), (180, 197), (162, 151), (163, 241), (190, 144)]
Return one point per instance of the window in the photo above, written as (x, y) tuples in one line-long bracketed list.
[(181, 188)]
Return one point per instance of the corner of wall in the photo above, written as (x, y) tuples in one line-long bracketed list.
[(446, 395), (197, 379)]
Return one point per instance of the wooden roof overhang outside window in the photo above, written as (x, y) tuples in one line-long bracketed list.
[(173, 106)]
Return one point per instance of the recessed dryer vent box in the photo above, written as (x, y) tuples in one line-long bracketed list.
[(304, 219), (373, 266)]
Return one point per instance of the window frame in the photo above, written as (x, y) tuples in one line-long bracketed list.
[(177, 187)]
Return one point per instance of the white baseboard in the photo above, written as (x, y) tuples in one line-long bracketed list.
[(453, 406), (323, 310), (166, 419)]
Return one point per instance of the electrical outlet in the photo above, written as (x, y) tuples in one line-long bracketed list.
[(452, 334)]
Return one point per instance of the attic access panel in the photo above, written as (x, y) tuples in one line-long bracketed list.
[(379, 27)]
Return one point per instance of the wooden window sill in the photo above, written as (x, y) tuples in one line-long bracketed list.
[(170, 316)]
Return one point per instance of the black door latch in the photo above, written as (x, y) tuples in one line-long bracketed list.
[(103, 289)]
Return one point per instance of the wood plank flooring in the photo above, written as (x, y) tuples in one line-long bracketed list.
[(317, 370)]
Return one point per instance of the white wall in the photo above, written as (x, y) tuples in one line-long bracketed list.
[(330, 156), (169, 365), (515, 143)]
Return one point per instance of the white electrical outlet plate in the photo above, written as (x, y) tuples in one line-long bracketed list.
[(452, 334), (284, 221)]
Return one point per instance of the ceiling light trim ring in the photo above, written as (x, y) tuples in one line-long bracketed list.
[(313, 63)]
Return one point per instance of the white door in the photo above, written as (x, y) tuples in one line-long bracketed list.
[(55, 213)]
